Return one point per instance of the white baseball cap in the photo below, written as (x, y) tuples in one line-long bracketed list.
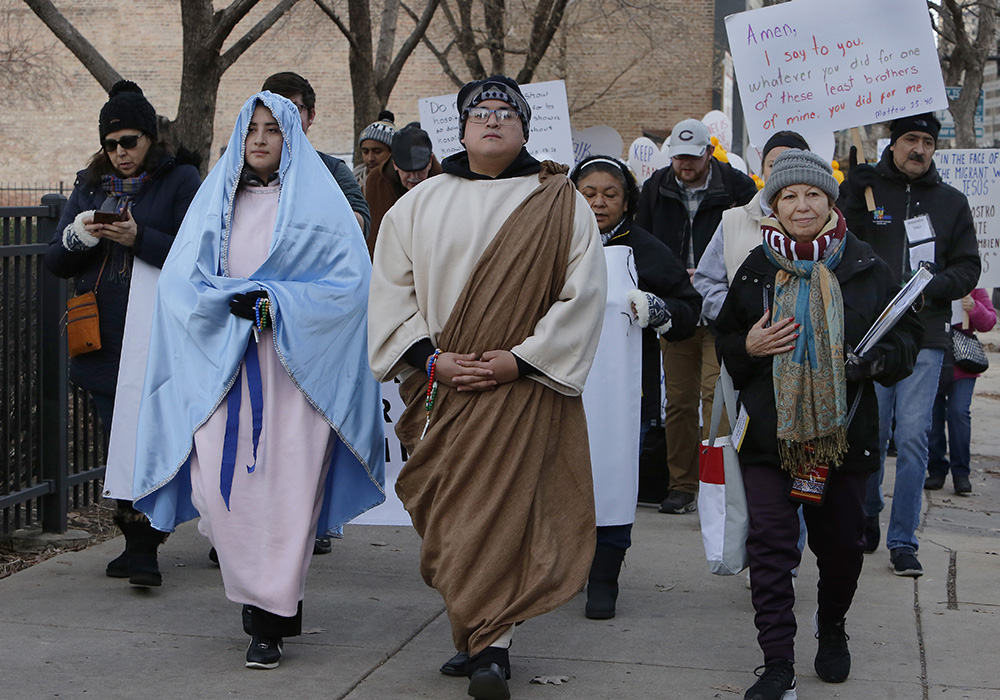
[(689, 138)]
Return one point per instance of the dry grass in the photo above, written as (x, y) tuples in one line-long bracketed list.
[(95, 520)]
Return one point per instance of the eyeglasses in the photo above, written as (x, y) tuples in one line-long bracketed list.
[(126, 142), (302, 108), (481, 115)]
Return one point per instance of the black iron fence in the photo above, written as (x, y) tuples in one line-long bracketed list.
[(21, 194), (52, 449)]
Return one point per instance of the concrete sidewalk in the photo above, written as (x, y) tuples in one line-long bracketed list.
[(375, 632)]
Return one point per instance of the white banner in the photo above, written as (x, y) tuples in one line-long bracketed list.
[(975, 172), (549, 137), (820, 67)]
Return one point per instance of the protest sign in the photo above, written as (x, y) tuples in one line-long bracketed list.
[(976, 174), (391, 512), (549, 136), (596, 141), (645, 158), (820, 67), (719, 126)]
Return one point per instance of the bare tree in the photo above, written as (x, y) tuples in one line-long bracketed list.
[(483, 30), (27, 66), (374, 67), (968, 35), (205, 31)]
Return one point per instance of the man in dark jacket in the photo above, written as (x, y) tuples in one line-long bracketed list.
[(918, 220), (682, 206)]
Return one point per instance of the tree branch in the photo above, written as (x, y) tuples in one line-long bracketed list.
[(386, 81), (255, 33), (226, 19), (85, 52), (548, 15), (344, 29)]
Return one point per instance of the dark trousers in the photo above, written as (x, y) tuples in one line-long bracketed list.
[(617, 536), (836, 537), (262, 623)]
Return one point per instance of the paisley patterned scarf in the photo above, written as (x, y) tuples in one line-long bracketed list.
[(810, 386)]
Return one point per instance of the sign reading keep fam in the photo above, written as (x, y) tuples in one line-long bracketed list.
[(812, 65)]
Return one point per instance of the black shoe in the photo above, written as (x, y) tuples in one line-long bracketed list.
[(143, 570), (678, 502), (489, 671), (962, 483), (833, 658), (903, 562), (489, 683), (322, 545), (263, 653), (934, 482), (118, 567), (213, 556), (455, 666), (872, 533), (602, 585), (776, 681)]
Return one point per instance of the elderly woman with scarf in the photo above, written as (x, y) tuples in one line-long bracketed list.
[(133, 176), (257, 411), (796, 307), (664, 304)]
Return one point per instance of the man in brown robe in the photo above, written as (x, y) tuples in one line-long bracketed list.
[(491, 278)]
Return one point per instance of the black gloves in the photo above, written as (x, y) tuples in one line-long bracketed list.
[(866, 366), (244, 305), (860, 175)]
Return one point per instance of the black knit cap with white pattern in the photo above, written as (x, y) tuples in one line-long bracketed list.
[(496, 87)]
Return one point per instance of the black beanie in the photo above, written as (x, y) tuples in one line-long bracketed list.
[(127, 108), (496, 87), (789, 139), (926, 123)]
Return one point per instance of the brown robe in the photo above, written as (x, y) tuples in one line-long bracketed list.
[(500, 487), (382, 189)]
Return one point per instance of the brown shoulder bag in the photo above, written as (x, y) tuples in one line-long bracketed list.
[(83, 328)]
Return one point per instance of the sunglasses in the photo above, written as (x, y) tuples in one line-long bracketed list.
[(481, 115), (125, 142)]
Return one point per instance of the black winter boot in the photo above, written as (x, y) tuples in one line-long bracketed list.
[(141, 542), (602, 585)]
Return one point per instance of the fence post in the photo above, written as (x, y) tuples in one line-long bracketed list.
[(54, 373)]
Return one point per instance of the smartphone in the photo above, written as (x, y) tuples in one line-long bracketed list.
[(109, 217)]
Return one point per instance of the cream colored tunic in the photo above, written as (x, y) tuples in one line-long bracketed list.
[(428, 246)]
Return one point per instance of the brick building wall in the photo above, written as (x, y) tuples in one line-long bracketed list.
[(664, 61)]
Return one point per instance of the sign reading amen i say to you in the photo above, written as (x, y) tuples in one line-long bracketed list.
[(550, 136), (824, 66)]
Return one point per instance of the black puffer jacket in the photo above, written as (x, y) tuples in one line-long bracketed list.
[(897, 198), (664, 214), (158, 211), (866, 288)]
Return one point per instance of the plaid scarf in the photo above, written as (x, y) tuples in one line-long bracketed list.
[(810, 386), (121, 191)]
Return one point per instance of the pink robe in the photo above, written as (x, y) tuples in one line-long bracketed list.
[(265, 538)]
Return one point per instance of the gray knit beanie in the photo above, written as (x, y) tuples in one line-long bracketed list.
[(795, 167), (382, 130)]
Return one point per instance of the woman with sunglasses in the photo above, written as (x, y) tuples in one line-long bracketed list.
[(132, 177)]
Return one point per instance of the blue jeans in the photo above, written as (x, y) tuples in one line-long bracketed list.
[(952, 409), (910, 402)]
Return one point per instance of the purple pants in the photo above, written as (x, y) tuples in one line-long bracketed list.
[(836, 537)]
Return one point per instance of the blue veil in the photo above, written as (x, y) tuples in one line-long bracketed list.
[(316, 274)]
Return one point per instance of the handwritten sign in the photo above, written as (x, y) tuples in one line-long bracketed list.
[(976, 174), (596, 141), (821, 67), (645, 158), (720, 126), (549, 137)]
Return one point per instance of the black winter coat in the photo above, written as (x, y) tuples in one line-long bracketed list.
[(158, 211), (867, 289), (661, 273), (663, 213), (897, 198)]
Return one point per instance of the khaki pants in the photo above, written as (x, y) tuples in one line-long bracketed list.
[(690, 369)]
